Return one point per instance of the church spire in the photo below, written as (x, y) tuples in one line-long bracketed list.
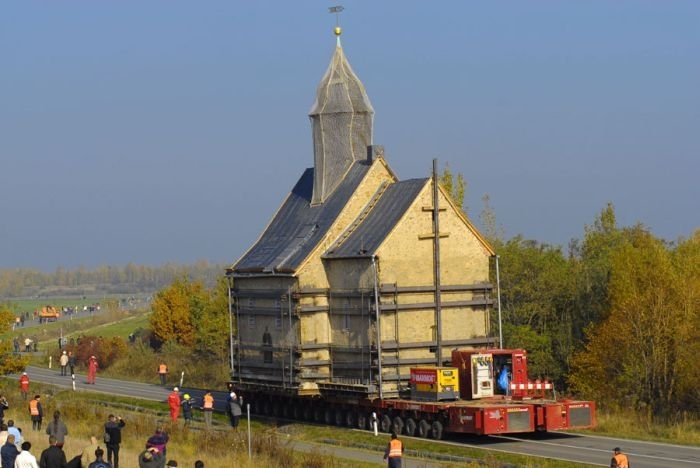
[(341, 121)]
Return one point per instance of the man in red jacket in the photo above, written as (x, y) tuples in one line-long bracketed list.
[(174, 404)]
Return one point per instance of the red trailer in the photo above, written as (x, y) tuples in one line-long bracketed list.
[(494, 396)]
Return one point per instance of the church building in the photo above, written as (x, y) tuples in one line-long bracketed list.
[(358, 276)]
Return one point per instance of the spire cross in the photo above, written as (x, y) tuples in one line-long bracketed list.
[(336, 9)]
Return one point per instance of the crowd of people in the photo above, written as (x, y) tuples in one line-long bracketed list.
[(16, 452)]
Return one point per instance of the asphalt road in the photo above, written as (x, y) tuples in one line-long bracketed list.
[(563, 446)]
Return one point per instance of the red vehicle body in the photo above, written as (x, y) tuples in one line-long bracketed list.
[(482, 406)]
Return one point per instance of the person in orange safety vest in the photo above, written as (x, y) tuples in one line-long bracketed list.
[(174, 404), (394, 451), (208, 407), (36, 412), (162, 372), (619, 459)]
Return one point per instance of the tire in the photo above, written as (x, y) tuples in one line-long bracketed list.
[(307, 413), (351, 418), (329, 416), (409, 427), (437, 430), (385, 424), (362, 421), (297, 411), (339, 417), (423, 429), (318, 413), (398, 425)]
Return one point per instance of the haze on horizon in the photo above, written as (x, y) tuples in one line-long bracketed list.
[(156, 132)]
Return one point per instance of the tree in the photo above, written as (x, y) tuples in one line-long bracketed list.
[(637, 356), (456, 188), (174, 310), (10, 363)]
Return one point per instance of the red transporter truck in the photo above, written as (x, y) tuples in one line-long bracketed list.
[(464, 398)]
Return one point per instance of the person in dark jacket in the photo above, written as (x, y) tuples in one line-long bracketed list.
[(53, 456), (159, 440), (113, 437), (3, 406), (187, 404), (99, 460), (234, 409), (9, 452)]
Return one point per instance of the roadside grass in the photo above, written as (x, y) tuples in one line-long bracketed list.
[(459, 452), (633, 425), (85, 414)]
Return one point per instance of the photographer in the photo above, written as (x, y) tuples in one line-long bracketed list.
[(113, 437)]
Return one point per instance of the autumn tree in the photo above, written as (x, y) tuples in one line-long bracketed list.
[(637, 356), (175, 311), (455, 186), (9, 362)]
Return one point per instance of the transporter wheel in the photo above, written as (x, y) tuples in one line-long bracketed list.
[(398, 425), (297, 411), (339, 417), (307, 413), (267, 408), (437, 430), (287, 410), (423, 429), (385, 423), (362, 421), (410, 427), (350, 418), (318, 414), (328, 416)]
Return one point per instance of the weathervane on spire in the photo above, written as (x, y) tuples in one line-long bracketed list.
[(337, 9)]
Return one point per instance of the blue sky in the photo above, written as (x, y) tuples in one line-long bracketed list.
[(171, 131)]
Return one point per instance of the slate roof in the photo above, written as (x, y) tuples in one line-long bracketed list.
[(367, 236), (298, 226)]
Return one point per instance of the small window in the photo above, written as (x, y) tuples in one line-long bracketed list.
[(251, 302), (278, 323), (251, 321)]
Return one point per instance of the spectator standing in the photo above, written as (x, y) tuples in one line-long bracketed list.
[(71, 362), (99, 460), (57, 429), (619, 459), (25, 459), (27, 345), (63, 360), (162, 372), (36, 412), (35, 343), (199, 464), (187, 404), (151, 458), (174, 404), (208, 407), (15, 344), (53, 456), (171, 464), (92, 369), (234, 409), (159, 440), (9, 452), (24, 385), (15, 431), (113, 437), (89, 451), (3, 435), (3, 406)]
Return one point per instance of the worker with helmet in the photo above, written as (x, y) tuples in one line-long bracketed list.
[(619, 459), (187, 405)]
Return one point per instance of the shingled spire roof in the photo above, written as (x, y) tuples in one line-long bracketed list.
[(341, 120)]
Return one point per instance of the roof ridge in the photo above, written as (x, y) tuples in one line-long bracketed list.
[(363, 214)]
